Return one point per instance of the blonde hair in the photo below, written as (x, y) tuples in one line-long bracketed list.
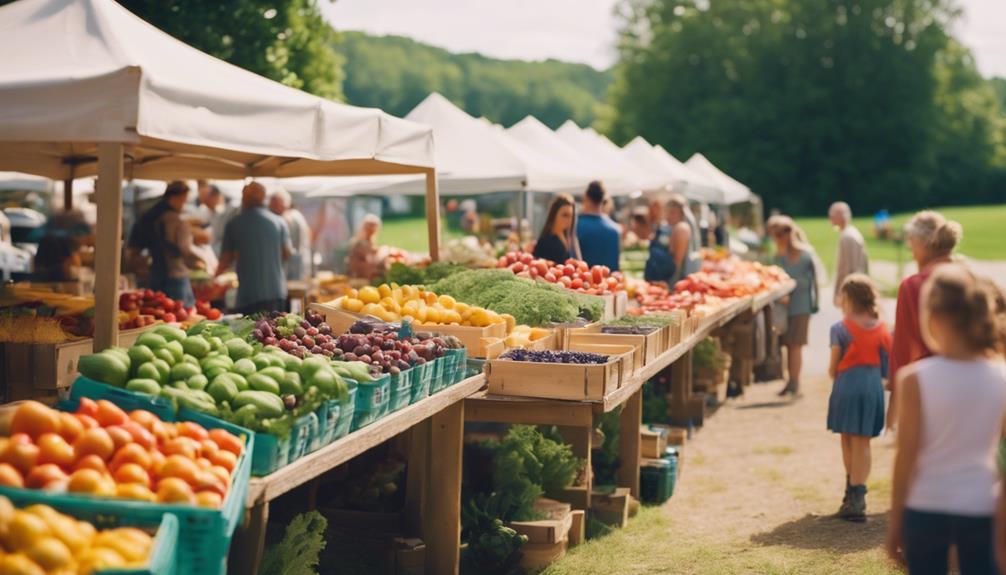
[(934, 232), (797, 237), (861, 293), (973, 306)]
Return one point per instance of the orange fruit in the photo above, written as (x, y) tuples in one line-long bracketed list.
[(91, 461), (87, 407), (181, 467), (144, 418), (43, 475), (52, 448), (34, 419), (225, 459), (207, 481), (134, 491), (119, 436), (131, 453), (157, 460), (175, 490), (164, 431), (22, 456), (110, 414), (129, 546), (87, 481), (221, 474), (23, 530), (9, 476), (131, 473), (87, 421), (207, 446), (204, 464), (20, 439), (209, 499), (96, 441), (99, 559), (4, 442), (227, 441), (18, 564), (50, 554), (184, 446), (69, 426), (192, 430), (140, 434)]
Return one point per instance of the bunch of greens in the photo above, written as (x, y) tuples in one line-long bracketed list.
[(604, 459), (375, 487), (493, 548), (647, 320), (706, 354), (529, 302), (402, 274), (297, 553)]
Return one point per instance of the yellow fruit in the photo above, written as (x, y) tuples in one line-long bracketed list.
[(69, 531), (430, 297), (352, 304), (447, 301), (50, 553), (409, 292), (129, 549), (450, 316), (384, 290), (432, 315), (390, 304), (461, 307), (495, 319), (372, 309), (388, 316), (24, 530), (98, 558), (480, 318), (136, 491), (18, 564), (511, 322), (369, 294), (6, 515)]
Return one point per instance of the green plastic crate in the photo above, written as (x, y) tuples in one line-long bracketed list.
[(204, 534), (305, 429), (421, 382), (401, 391), (456, 359), (163, 555), (437, 380), (328, 420), (657, 480), (345, 422), (127, 400), (372, 399)]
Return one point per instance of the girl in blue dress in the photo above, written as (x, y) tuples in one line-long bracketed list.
[(860, 347)]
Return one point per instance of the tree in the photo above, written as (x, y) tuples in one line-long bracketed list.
[(809, 101)]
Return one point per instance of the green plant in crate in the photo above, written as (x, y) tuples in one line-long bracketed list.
[(604, 459), (297, 553), (493, 548), (706, 354)]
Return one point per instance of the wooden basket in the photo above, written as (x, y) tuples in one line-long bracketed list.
[(562, 380)]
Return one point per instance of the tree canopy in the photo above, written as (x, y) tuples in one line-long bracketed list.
[(396, 73), (810, 101)]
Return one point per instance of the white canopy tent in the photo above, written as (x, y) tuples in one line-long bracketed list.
[(545, 172), (88, 88), (619, 176), (682, 179), (538, 138), (729, 191), (649, 177)]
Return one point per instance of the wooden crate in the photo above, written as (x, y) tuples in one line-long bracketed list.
[(472, 337), (41, 370), (578, 528), (563, 381), (652, 443), (627, 354), (536, 556), (648, 346), (410, 556), (578, 496), (611, 508), (554, 528)]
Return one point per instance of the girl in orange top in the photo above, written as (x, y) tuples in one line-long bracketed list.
[(860, 347)]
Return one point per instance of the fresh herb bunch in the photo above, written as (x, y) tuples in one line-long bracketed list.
[(297, 553), (549, 356), (402, 274), (647, 320)]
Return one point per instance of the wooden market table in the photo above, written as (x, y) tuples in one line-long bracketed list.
[(433, 495)]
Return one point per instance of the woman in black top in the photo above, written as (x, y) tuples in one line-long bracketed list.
[(557, 241)]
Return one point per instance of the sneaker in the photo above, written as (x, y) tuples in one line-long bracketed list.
[(855, 510)]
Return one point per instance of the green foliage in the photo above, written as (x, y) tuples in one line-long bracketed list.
[(493, 548), (395, 73), (287, 41), (297, 553), (604, 459), (809, 101), (707, 354), (402, 274)]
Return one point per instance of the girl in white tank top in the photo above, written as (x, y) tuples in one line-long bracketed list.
[(946, 482)]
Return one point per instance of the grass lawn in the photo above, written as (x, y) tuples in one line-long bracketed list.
[(983, 234), (409, 233)]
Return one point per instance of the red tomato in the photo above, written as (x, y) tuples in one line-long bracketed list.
[(565, 281), (517, 267), (213, 313), (526, 258), (577, 283), (568, 270), (596, 274), (550, 277), (169, 318), (541, 266)]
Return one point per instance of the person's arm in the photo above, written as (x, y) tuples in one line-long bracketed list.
[(227, 259), (836, 356), (284, 233), (228, 250), (815, 296), (905, 460), (904, 321), (843, 266), (680, 238)]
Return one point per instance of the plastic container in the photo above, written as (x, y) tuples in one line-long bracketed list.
[(127, 400), (345, 422), (328, 420), (437, 381), (458, 359), (401, 391), (421, 382), (372, 399), (204, 534), (163, 555), (302, 437)]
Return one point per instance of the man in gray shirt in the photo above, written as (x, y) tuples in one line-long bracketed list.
[(298, 267), (852, 257), (259, 242)]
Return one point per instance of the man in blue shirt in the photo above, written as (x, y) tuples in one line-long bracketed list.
[(600, 238), (259, 242)]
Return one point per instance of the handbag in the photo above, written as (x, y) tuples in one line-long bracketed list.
[(780, 318)]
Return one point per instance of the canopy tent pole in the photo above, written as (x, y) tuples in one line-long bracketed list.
[(108, 245), (68, 194), (433, 213)]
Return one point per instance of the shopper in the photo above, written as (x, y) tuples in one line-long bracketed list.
[(860, 348), (557, 241), (675, 246), (932, 239), (795, 257), (298, 266), (852, 257), (214, 213), (598, 236), (950, 422), (362, 260), (57, 259), (259, 242), (167, 239)]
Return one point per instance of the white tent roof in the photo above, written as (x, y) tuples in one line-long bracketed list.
[(545, 172), (650, 177), (79, 72), (619, 176), (541, 139), (730, 190), (682, 179)]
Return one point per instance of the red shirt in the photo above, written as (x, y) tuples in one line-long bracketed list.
[(908, 346)]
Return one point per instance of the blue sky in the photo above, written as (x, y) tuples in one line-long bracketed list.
[(577, 30)]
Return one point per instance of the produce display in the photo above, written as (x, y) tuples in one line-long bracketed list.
[(639, 324), (379, 345), (100, 450), (533, 303), (296, 335), (572, 274), (402, 274), (523, 336), (157, 305), (719, 279), (39, 540), (392, 303), (469, 251), (212, 370), (549, 356)]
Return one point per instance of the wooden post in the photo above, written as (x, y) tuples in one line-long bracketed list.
[(628, 443), (433, 213), (442, 521), (417, 475), (249, 541), (681, 384), (108, 246), (68, 194)]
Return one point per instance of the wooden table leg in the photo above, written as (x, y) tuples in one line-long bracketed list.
[(581, 439), (417, 475), (681, 386), (249, 541), (442, 520), (628, 443)]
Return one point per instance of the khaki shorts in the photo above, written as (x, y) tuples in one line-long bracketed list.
[(796, 331)]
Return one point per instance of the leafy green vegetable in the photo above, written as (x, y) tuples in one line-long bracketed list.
[(647, 320), (402, 274), (297, 553), (604, 459), (707, 354), (493, 548)]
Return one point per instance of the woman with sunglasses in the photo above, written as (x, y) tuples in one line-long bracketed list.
[(794, 255)]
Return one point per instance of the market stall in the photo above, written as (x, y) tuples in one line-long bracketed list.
[(681, 179)]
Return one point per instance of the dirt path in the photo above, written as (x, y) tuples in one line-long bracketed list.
[(758, 485)]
